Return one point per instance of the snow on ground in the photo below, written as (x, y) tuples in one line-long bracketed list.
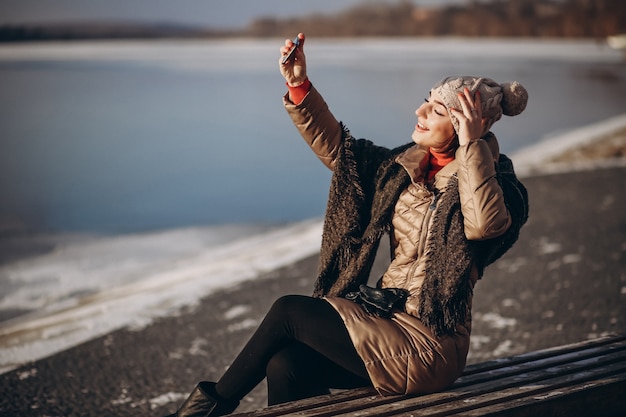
[(82, 292), (207, 55), (534, 159)]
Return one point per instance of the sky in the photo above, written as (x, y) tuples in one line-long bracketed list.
[(211, 13)]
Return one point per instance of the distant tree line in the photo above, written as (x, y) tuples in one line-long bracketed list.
[(98, 30), (495, 18), (486, 18)]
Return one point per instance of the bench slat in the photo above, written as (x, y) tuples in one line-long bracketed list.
[(540, 361), (543, 353), (602, 397)]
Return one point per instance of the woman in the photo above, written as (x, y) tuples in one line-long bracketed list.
[(451, 205)]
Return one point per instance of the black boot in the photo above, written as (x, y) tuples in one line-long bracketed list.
[(204, 402)]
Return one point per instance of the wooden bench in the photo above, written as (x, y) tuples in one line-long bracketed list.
[(582, 379)]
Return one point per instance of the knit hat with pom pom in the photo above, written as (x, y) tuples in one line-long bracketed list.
[(496, 99)]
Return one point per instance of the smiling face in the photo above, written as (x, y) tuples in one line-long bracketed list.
[(434, 128)]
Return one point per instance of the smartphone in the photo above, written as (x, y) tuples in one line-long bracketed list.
[(296, 43)]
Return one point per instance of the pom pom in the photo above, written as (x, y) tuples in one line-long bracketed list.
[(514, 98)]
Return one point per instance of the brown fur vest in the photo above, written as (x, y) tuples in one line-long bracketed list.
[(364, 189)]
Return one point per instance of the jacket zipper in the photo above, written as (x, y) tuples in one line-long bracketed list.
[(424, 232)]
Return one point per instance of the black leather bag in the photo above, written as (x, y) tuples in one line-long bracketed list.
[(379, 301)]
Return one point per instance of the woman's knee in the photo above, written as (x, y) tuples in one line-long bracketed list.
[(286, 302), (287, 305)]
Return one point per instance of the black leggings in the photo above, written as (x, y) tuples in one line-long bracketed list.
[(302, 347)]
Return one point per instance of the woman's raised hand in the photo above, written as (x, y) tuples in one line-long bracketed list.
[(471, 122), (294, 70)]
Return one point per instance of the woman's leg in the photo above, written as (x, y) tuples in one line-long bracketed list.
[(293, 320)]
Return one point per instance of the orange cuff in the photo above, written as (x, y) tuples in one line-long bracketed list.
[(297, 94)]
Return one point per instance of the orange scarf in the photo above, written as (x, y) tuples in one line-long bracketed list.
[(436, 161)]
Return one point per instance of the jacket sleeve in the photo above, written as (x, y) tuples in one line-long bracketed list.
[(482, 199), (317, 126)]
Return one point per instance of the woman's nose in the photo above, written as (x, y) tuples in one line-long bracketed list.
[(419, 112)]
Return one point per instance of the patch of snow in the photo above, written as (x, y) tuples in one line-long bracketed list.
[(151, 293)]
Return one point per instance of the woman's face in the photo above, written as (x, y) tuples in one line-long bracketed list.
[(434, 128)]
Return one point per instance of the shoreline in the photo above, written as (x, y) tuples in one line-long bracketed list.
[(152, 288), (597, 145)]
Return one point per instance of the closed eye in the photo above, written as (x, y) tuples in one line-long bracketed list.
[(438, 113)]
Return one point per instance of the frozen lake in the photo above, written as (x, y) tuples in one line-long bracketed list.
[(119, 137)]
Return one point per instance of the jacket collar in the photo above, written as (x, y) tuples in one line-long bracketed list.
[(415, 161)]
